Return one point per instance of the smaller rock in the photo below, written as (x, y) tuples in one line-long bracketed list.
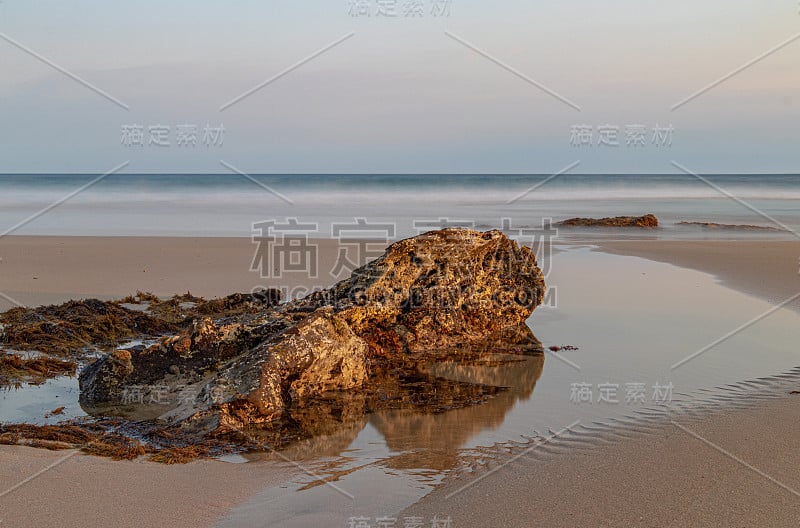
[(729, 227), (647, 221)]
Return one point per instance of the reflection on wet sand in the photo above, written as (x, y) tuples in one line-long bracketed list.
[(473, 391), (433, 441)]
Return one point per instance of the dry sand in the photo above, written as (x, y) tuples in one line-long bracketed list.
[(668, 479), (41, 270)]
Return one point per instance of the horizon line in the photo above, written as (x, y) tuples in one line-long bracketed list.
[(545, 174)]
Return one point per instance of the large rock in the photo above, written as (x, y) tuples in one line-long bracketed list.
[(436, 295)]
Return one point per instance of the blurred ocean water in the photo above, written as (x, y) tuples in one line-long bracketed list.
[(229, 205)]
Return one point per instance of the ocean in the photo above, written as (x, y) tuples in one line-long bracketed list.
[(229, 205)]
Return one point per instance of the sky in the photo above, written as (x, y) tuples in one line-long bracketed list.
[(467, 86)]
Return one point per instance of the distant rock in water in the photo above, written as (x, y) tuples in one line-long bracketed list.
[(647, 221), (731, 227), (340, 351)]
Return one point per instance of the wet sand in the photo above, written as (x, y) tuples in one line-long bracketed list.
[(769, 270), (733, 467), (85, 491), (668, 478)]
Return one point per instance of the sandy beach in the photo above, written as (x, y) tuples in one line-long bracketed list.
[(415, 264), (668, 477), (44, 270)]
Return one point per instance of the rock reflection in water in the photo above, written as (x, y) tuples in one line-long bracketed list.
[(433, 441), (498, 373)]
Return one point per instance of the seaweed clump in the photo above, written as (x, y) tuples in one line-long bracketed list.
[(110, 439), (181, 310), (72, 328), (15, 369), (90, 438), (63, 335)]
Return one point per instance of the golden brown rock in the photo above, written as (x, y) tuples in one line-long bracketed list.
[(437, 295)]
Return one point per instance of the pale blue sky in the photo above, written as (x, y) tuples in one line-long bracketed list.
[(400, 96)]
